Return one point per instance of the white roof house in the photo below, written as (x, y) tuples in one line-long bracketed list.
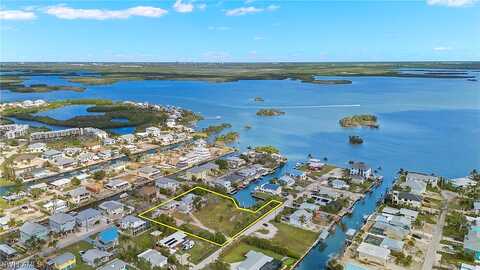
[(155, 258), (372, 253), (254, 261)]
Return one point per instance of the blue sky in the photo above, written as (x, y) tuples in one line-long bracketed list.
[(231, 31)]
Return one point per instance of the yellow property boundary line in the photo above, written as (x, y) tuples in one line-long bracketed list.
[(229, 239)]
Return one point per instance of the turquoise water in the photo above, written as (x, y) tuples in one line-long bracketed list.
[(429, 125)]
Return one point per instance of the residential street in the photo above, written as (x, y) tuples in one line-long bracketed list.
[(430, 256)]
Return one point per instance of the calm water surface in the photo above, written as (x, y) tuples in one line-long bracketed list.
[(429, 125)]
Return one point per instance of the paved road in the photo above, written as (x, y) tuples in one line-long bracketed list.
[(430, 256)]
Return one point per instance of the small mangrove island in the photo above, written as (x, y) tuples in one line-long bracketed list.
[(138, 115), (259, 99), (355, 139), (269, 112), (16, 84), (360, 120)]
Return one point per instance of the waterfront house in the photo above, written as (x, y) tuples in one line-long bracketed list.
[(95, 257), (392, 244), (127, 138), (309, 206), (201, 172), (407, 198), (117, 184), (133, 225), (31, 230), (60, 184), (86, 157), (61, 223), (37, 147), (115, 264), (167, 183), (339, 184), (79, 195), (254, 261), (56, 206), (4, 223), (360, 169), (65, 162), (425, 178), (471, 243), (270, 188), (322, 200), (148, 172), (108, 141), (39, 186), (155, 258), (301, 218), (7, 253), (112, 209), (315, 164), (411, 214), (223, 184), (51, 154), (286, 180), (416, 187), (107, 239), (373, 254), (235, 162), (463, 182), (153, 131), (66, 261), (88, 218)]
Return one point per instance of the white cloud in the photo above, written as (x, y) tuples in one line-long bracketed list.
[(442, 49), (273, 7), (219, 28), (202, 6), (17, 15), (65, 12), (249, 1), (181, 7), (451, 3), (243, 11), (249, 10), (258, 38)]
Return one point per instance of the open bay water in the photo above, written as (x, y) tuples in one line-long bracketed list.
[(427, 125)]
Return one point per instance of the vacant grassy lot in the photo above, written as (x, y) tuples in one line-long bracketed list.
[(237, 251), (200, 251), (295, 239)]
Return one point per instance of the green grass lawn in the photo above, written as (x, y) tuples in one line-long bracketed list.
[(237, 252), (200, 251), (220, 214), (295, 239), (324, 170)]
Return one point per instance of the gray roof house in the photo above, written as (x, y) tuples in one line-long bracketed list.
[(112, 208), (63, 259), (7, 252), (95, 257), (31, 229), (166, 183), (155, 258), (79, 195), (88, 217), (115, 264), (61, 222), (433, 180), (133, 224), (392, 244), (254, 261)]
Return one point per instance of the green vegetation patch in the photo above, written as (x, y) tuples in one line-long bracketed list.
[(361, 120), (269, 112), (297, 240)]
